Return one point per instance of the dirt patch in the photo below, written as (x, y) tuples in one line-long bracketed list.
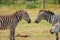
[(24, 35)]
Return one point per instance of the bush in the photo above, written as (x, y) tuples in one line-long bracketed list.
[(31, 5)]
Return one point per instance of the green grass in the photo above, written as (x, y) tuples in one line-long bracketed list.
[(40, 31)]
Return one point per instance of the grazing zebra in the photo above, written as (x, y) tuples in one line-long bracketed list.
[(11, 21), (50, 17)]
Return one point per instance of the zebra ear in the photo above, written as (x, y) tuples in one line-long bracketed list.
[(41, 10), (16, 11), (24, 10)]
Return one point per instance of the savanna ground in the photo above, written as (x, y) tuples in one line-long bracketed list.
[(40, 31)]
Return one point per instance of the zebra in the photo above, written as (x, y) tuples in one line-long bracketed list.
[(52, 18), (11, 21)]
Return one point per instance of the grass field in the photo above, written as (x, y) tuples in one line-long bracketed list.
[(40, 31)]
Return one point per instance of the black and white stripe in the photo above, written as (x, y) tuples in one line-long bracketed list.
[(52, 18), (11, 21)]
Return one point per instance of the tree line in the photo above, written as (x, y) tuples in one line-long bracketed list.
[(24, 1)]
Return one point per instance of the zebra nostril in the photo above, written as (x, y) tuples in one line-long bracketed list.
[(51, 32), (36, 22), (29, 21)]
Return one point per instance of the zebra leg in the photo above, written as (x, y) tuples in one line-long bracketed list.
[(12, 32), (57, 36)]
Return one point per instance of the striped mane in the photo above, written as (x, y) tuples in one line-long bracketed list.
[(50, 13)]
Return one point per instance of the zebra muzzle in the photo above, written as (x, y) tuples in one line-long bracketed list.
[(29, 21), (51, 32)]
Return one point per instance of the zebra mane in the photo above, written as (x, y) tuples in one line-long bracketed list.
[(17, 14), (50, 13), (18, 11)]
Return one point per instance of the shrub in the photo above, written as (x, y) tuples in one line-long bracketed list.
[(31, 5)]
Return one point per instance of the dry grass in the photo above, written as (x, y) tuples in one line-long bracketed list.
[(35, 31)]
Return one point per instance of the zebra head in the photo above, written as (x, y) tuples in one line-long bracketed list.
[(55, 20), (26, 17), (40, 16), (43, 14), (55, 28), (22, 14)]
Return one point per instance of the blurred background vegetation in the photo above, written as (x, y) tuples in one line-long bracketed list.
[(29, 4)]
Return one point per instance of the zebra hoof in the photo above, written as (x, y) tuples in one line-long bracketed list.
[(57, 39), (12, 39)]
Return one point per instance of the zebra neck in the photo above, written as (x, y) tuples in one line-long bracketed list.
[(49, 19), (16, 17)]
